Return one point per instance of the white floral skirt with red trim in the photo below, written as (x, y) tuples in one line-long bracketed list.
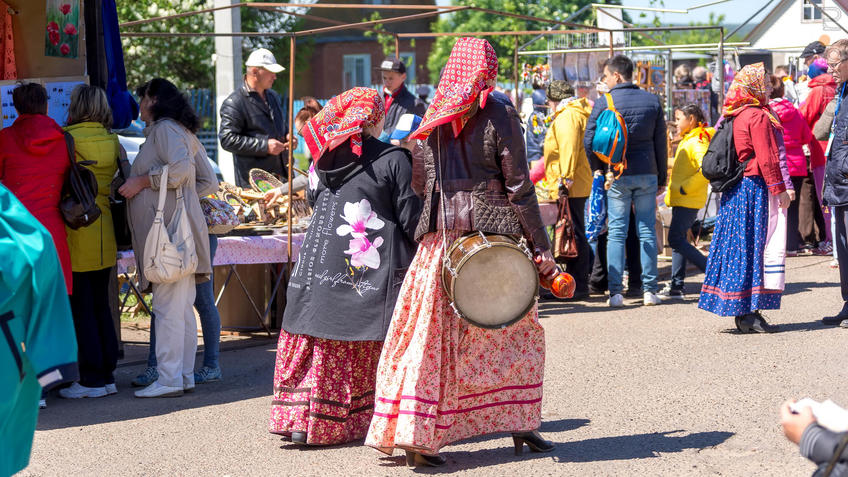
[(441, 379)]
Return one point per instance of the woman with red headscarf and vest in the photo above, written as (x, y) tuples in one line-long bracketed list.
[(745, 266), (341, 294), (441, 379)]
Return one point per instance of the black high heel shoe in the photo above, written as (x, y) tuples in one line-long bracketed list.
[(533, 440), (415, 459)]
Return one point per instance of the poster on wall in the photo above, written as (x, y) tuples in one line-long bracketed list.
[(8, 108), (62, 30), (59, 99)]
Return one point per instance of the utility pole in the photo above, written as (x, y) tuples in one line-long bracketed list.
[(228, 70)]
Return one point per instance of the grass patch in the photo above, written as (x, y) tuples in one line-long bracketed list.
[(132, 311)]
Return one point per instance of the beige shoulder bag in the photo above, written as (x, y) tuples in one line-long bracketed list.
[(169, 252)]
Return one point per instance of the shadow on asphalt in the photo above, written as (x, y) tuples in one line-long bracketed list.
[(785, 327), (800, 287), (248, 374), (637, 446)]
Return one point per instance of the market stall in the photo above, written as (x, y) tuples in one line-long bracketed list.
[(266, 254)]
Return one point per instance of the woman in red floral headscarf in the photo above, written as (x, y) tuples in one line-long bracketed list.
[(741, 277), (341, 294), (440, 379)]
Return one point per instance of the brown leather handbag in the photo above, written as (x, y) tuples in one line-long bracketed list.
[(565, 242)]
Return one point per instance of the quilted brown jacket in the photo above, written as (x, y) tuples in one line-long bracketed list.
[(486, 180)]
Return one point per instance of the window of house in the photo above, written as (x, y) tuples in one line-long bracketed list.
[(811, 13), (408, 59), (357, 71)]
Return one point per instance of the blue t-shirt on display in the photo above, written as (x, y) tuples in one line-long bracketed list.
[(38, 347)]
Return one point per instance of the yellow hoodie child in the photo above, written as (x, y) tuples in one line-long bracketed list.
[(688, 186)]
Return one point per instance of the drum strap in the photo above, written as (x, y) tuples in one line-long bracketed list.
[(442, 200)]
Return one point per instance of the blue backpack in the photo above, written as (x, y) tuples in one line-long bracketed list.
[(610, 141)]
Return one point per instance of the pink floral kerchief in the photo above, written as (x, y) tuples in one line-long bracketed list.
[(344, 117)]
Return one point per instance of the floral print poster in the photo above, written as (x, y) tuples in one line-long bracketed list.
[(61, 33)]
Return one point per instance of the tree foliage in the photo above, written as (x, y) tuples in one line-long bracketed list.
[(185, 61), (471, 21), (189, 62), (253, 19), (694, 36)]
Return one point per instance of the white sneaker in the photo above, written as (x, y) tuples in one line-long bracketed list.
[(616, 301), (651, 299), (188, 385), (111, 389), (77, 391), (158, 390)]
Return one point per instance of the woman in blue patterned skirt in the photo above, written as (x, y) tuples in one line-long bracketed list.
[(736, 282)]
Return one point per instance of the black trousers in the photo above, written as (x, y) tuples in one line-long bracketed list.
[(598, 278), (96, 340), (811, 224), (805, 220), (580, 266)]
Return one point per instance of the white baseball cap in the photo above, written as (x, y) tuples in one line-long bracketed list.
[(264, 59)]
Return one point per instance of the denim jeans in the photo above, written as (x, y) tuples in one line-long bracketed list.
[(210, 320), (640, 191), (598, 278), (682, 219)]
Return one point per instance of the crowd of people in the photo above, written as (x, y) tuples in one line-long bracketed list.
[(372, 345)]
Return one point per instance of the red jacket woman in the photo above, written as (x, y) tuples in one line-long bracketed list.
[(33, 165)]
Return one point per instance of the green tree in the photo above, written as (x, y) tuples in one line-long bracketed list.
[(471, 21), (189, 62), (254, 19), (185, 61)]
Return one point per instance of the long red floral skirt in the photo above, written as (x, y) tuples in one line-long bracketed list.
[(440, 379), (324, 388)]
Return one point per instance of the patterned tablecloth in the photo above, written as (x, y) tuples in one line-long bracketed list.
[(239, 251)]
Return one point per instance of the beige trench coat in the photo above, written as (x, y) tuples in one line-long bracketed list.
[(168, 142)]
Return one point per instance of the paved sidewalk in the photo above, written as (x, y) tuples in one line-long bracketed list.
[(665, 390)]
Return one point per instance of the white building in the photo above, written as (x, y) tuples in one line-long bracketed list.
[(793, 24)]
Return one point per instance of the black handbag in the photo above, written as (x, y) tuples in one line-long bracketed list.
[(118, 208), (79, 191)]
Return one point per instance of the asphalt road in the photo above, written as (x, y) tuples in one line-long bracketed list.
[(666, 390)]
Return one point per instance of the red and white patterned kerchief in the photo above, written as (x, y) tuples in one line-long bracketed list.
[(344, 117), (472, 65), (749, 90)]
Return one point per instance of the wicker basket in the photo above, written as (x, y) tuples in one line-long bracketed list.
[(263, 181)]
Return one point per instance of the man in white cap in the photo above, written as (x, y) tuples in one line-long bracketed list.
[(253, 126)]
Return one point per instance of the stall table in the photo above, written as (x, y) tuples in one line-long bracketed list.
[(246, 250)]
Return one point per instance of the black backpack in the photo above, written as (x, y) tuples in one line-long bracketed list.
[(77, 204), (720, 164)]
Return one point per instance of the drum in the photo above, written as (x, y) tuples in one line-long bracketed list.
[(490, 279)]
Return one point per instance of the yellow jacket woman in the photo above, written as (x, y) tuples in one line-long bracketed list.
[(93, 247), (688, 186), (565, 156), (566, 161)]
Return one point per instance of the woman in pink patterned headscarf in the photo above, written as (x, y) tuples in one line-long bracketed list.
[(441, 379), (341, 295)]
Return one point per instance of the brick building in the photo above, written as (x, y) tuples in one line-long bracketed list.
[(347, 58)]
